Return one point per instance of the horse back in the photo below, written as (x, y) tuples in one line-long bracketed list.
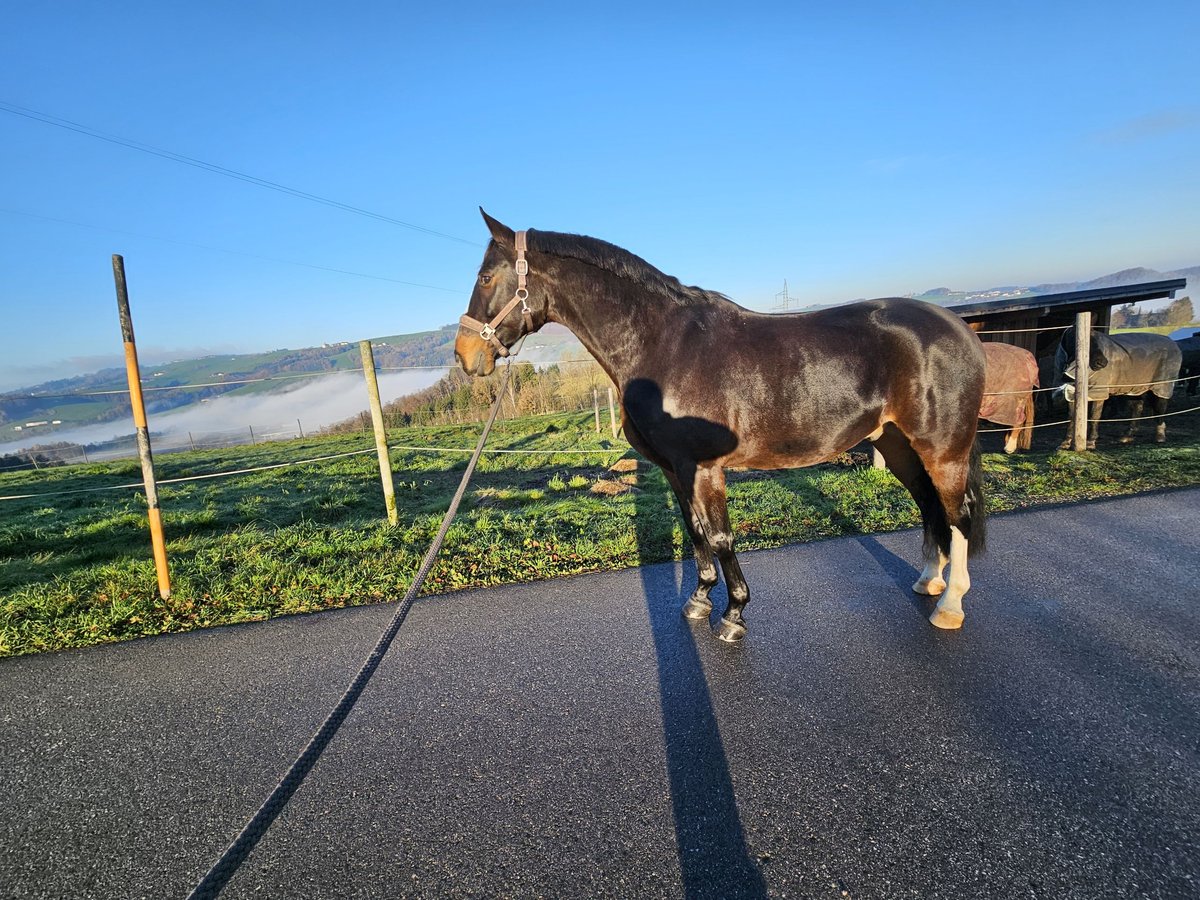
[(1147, 362)]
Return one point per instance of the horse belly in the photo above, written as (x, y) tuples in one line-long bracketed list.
[(795, 448)]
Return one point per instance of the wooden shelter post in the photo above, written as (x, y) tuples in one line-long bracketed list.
[(1083, 346)]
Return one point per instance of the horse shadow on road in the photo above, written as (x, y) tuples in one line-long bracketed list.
[(713, 857)]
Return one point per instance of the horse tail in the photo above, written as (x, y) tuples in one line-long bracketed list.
[(973, 521), (1025, 439)]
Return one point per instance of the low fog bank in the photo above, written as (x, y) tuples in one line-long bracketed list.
[(316, 404)]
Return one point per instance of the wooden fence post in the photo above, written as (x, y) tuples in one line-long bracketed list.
[(300, 428), (596, 407), (381, 447), (252, 440), (612, 412), (1083, 348), (134, 377)]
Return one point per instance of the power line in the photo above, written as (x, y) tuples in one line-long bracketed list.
[(47, 119), (289, 262)]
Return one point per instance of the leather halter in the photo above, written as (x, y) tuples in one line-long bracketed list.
[(488, 331)]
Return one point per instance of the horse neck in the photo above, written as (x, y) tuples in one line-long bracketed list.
[(610, 315)]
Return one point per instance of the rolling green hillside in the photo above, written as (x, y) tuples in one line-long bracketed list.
[(64, 400)]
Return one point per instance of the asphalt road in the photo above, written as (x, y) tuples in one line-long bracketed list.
[(577, 738)]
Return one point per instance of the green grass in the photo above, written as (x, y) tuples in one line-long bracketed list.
[(75, 570)]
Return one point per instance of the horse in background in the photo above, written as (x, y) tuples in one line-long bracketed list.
[(1138, 365), (707, 385), (1011, 377), (1189, 349)]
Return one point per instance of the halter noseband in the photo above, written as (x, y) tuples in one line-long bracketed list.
[(488, 331)]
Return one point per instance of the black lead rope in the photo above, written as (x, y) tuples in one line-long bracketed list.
[(225, 867)]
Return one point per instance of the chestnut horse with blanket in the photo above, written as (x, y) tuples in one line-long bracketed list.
[(1012, 374), (707, 385)]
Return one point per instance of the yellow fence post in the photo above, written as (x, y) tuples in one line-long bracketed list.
[(381, 447), (612, 412), (133, 375)]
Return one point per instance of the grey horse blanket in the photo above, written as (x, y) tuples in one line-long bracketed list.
[(1138, 363), (1010, 372)]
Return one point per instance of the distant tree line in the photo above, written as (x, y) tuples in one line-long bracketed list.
[(1179, 312)]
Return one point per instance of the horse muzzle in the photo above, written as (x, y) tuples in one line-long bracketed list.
[(474, 354)]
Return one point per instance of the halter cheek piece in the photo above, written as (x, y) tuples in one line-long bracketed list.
[(488, 331)]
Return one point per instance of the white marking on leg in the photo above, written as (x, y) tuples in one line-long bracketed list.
[(949, 612), (1010, 442), (931, 581)]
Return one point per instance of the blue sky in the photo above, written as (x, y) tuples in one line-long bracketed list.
[(852, 149)]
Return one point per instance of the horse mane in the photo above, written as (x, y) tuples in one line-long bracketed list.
[(619, 262)]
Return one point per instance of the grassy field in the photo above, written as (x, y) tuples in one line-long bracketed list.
[(75, 569)]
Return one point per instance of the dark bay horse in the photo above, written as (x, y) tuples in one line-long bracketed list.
[(1135, 365), (706, 385)]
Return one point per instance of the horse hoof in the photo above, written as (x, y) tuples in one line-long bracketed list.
[(696, 609), (931, 588), (1091, 445), (730, 632), (1127, 439), (947, 619)]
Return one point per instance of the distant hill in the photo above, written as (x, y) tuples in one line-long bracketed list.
[(65, 403), (947, 297), (65, 400)]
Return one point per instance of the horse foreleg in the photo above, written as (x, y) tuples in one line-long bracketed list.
[(1096, 408), (712, 517), (699, 605)]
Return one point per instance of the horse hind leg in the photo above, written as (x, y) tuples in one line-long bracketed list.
[(1025, 441), (711, 513), (904, 463), (1136, 406), (958, 482), (1011, 440), (1159, 406)]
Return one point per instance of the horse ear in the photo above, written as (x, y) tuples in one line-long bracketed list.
[(501, 233)]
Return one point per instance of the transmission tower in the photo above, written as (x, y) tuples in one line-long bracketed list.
[(783, 300)]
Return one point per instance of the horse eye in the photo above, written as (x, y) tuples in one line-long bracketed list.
[(485, 280)]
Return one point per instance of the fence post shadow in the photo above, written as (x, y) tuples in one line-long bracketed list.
[(709, 838)]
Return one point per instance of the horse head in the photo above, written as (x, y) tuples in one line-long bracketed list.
[(1099, 352), (504, 306)]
